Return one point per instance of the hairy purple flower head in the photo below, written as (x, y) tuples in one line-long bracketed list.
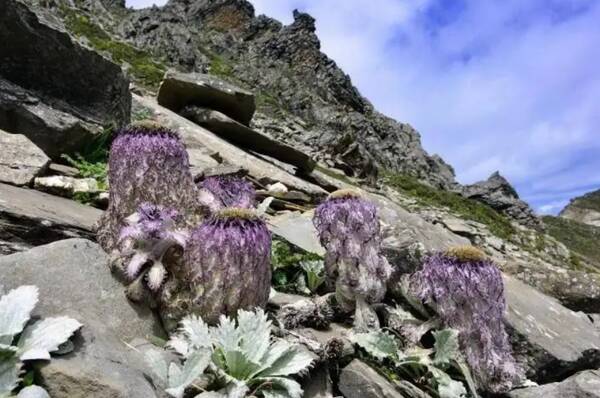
[(349, 230), (147, 163), (228, 258), (150, 232), (222, 191), (467, 291)]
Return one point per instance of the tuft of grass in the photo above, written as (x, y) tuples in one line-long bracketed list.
[(578, 237), (469, 209), (220, 67), (144, 69)]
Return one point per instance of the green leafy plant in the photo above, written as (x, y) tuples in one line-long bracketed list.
[(419, 363), (289, 274), (314, 276), (233, 359), (20, 343)]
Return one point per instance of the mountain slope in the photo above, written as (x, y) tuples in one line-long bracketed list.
[(584, 209)]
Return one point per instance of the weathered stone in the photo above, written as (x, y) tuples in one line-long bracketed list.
[(196, 137), (74, 280), (53, 130), (552, 340), (584, 209), (20, 159), (66, 186), (180, 89), (38, 55), (497, 192), (318, 384), (62, 170), (581, 385), (30, 218), (359, 380), (298, 229), (245, 137)]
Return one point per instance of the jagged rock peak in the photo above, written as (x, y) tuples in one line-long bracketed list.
[(304, 21)]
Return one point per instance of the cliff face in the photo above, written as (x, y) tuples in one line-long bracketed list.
[(304, 98), (584, 209)]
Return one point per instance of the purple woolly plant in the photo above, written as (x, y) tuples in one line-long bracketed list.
[(228, 259), (147, 163), (150, 232), (467, 291), (349, 230), (222, 191)]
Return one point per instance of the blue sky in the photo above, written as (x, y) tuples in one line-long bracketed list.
[(509, 85)]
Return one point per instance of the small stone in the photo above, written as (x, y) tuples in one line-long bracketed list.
[(20, 159)]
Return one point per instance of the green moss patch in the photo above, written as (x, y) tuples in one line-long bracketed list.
[(143, 68), (469, 209)]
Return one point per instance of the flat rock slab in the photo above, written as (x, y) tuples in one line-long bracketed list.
[(298, 229), (20, 160), (39, 55), (359, 380), (197, 137), (180, 89), (581, 385), (245, 137), (74, 280), (31, 218), (554, 341)]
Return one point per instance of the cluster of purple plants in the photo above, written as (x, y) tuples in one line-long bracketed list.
[(148, 163), (467, 293), (348, 228), (222, 191), (229, 262)]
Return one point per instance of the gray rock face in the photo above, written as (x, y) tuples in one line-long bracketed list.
[(497, 192), (66, 186), (584, 209), (359, 380), (247, 138), (178, 90), (581, 385), (74, 280), (53, 130), (20, 159), (40, 56), (553, 340), (30, 218)]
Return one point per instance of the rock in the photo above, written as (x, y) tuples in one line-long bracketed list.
[(20, 159), (74, 280), (298, 229), (40, 56), (581, 385), (277, 189), (497, 192), (180, 89), (30, 218), (359, 380), (66, 186), (318, 384), (53, 130), (196, 137), (584, 209), (62, 170), (552, 340), (244, 137)]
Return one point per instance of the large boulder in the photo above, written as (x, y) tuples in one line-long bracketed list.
[(581, 385), (20, 160), (178, 90), (497, 192), (74, 280), (53, 89), (31, 218), (38, 55), (247, 138), (551, 340)]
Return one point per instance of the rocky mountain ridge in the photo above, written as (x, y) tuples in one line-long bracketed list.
[(584, 209), (552, 293)]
